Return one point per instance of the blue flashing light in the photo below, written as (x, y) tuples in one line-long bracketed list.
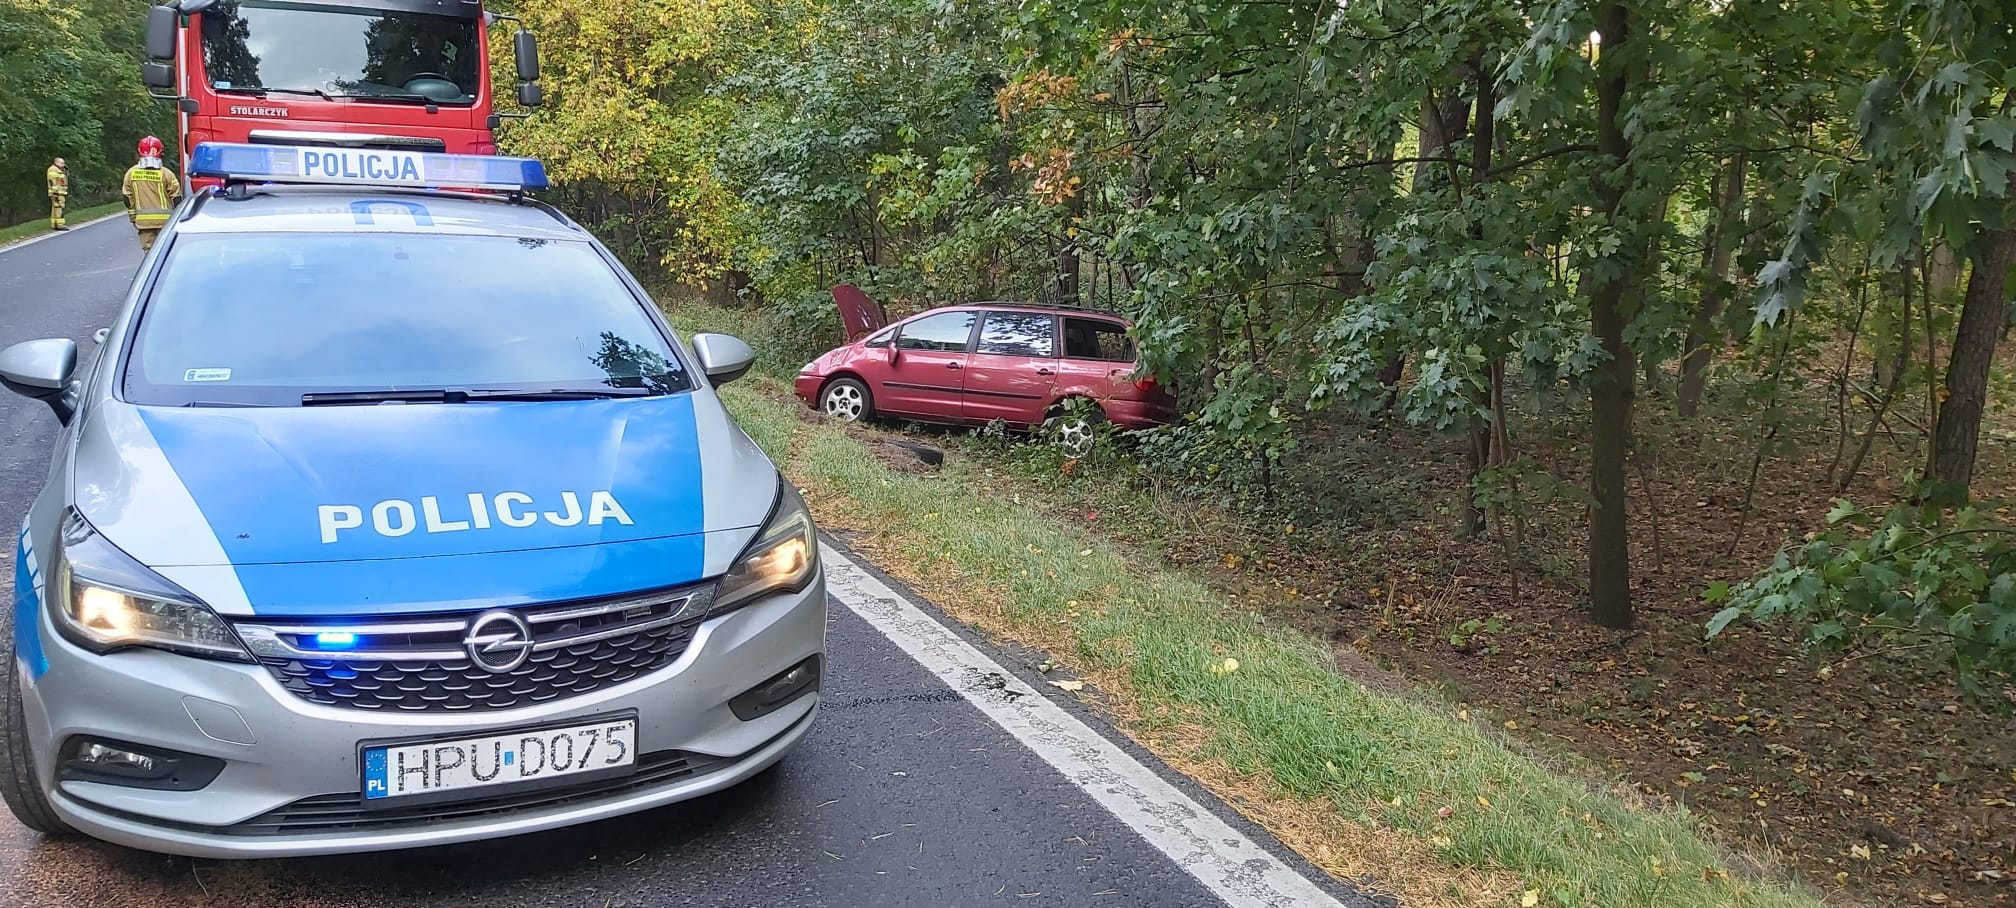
[(335, 640), (363, 167)]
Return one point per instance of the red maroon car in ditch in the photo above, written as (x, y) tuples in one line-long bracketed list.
[(972, 364)]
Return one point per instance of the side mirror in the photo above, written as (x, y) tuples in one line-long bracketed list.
[(723, 358), (42, 369), (161, 25), (526, 49), (155, 74), (529, 94)]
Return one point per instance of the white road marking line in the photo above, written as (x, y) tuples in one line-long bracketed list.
[(10, 247), (1228, 863)]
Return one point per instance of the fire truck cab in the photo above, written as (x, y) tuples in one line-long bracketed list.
[(410, 75)]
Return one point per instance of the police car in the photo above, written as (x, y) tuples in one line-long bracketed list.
[(389, 516)]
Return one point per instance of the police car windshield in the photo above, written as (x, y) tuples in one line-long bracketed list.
[(253, 45), (263, 319)]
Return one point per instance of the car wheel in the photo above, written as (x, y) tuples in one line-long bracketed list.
[(18, 787), (846, 400), (1076, 432)]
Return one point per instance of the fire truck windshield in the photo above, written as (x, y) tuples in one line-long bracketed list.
[(259, 46)]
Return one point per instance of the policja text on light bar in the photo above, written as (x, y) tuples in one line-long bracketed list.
[(363, 167)]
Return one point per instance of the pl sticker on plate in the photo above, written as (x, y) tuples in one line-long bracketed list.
[(207, 375)]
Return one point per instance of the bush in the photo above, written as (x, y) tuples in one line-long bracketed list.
[(1920, 575)]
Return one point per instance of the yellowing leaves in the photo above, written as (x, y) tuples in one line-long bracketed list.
[(1529, 899), (623, 109)]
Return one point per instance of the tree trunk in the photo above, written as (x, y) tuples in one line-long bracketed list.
[(1703, 335), (1957, 434), (1067, 273), (1647, 284), (1480, 426), (1478, 456), (1944, 271), (1444, 122), (1610, 399)]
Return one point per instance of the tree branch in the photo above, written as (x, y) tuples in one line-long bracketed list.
[(1532, 159)]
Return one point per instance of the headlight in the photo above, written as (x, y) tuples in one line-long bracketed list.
[(782, 559), (104, 600)]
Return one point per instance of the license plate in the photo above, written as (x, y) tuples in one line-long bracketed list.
[(440, 767)]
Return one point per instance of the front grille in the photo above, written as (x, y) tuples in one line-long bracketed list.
[(424, 664), (339, 813), (345, 140)]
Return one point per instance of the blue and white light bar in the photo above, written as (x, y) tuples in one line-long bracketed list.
[(363, 167)]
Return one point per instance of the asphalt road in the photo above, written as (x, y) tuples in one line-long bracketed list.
[(905, 793)]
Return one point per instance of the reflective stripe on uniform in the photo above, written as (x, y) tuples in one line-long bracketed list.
[(149, 217)]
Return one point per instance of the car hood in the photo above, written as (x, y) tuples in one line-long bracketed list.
[(411, 507), (859, 313)]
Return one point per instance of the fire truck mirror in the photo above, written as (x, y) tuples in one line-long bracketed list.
[(527, 52), (529, 94), (155, 74), (161, 27)]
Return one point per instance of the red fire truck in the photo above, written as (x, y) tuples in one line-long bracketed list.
[(412, 75)]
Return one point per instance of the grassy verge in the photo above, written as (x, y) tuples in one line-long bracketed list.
[(40, 225), (1368, 785)]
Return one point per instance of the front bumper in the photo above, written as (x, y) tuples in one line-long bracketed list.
[(807, 386), (287, 757)]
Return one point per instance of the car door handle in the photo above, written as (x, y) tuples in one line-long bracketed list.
[(951, 365), (1045, 372)]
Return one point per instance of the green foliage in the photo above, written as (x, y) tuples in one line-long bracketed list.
[(1918, 575), (1292, 200), (866, 150), (628, 106), (1474, 634), (70, 88)]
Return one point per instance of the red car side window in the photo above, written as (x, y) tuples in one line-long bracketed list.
[(1096, 339), (946, 332), (1019, 334)]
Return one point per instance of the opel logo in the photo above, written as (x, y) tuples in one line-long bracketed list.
[(498, 641)]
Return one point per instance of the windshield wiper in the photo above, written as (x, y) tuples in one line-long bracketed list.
[(465, 395), (263, 91), (402, 97)]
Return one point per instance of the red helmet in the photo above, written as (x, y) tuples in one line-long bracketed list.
[(150, 147)]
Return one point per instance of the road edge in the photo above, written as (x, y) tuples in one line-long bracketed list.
[(1236, 859), (52, 234)]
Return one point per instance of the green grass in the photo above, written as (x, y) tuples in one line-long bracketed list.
[(40, 225), (693, 317), (1367, 758)]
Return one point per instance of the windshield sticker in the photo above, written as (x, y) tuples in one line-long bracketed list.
[(207, 375)]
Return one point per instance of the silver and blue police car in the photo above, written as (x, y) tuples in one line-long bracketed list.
[(389, 516)]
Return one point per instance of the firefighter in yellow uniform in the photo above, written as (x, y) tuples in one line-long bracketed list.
[(59, 193), (151, 191)]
